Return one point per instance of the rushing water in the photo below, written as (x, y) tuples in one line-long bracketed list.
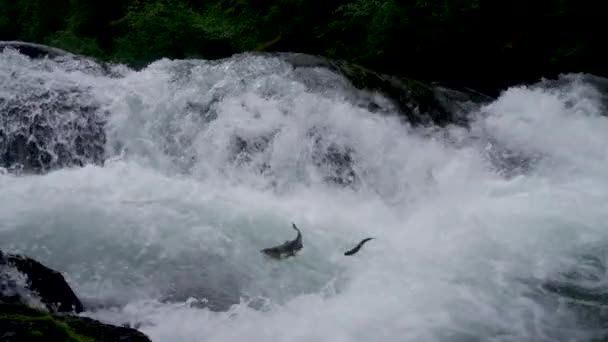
[(494, 232)]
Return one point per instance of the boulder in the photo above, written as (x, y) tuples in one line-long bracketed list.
[(44, 283), (33, 50), (22, 280), (86, 64), (19, 322)]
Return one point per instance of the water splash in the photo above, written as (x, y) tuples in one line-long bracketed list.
[(208, 162)]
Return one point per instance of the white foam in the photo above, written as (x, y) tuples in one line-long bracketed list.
[(459, 248)]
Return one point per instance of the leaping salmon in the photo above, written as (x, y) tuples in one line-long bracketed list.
[(287, 249)]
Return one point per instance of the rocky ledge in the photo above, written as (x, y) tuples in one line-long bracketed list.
[(37, 304)]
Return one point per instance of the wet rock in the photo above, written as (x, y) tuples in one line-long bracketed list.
[(420, 103), (334, 161), (21, 323), (44, 130), (67, 60), (44, 283), (33, 50), (23, 279)]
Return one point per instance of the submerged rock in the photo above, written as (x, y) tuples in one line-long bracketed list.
[(33, 50), (46, 122), (45, 129), (335, 161), (67, 59), (21, 323), (46, 284)]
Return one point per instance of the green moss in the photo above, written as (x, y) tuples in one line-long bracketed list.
[(68, 41), (36, 333), (26, 323), (37, 324)]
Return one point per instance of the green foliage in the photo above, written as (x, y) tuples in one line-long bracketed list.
[(36, 333), (68, 41)]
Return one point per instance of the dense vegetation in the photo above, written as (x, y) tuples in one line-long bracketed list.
[(478, 42)]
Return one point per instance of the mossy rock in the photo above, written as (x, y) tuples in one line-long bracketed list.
[(22, 323), (102, 332)]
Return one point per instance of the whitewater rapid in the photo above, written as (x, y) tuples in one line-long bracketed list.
[(206, 163)]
